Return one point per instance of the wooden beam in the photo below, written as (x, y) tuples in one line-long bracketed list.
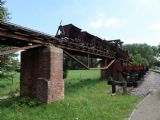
[(18, 49), (105, 68), (110, 63), (76, 60), (19, 37)]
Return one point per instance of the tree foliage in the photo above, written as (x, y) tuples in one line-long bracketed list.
[(158, 51), (4, 15), (142, 54), (7, 62)]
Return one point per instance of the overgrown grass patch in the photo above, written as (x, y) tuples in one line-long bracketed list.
[(90, 102), (9, 83), (85, 99)]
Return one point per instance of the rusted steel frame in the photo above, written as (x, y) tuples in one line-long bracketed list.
[(105, 68), (81, 63), (82, 51), (77, 45), (21, 33), (18, 49)]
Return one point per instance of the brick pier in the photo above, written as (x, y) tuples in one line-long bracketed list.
[(42, 74)]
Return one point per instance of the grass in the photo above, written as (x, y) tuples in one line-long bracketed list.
[(78, 76), (85, 99), (8, 87), (83, 74)]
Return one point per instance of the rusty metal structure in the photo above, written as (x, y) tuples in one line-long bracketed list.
[(69, 38), (91, 46), (45, 59), (132, 76)]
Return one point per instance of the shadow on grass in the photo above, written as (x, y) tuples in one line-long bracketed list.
[(19, 102), (6, 103), (2, 86)]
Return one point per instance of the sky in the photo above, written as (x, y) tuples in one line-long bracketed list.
[(132, 21)]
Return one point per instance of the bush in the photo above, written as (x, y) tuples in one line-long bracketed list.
[(27, 102)]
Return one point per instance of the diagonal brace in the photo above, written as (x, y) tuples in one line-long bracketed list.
[(105, 68), (74, 58)]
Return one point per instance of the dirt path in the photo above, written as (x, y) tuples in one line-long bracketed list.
[(149, 109)]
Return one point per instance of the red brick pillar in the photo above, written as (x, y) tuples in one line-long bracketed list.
[(42, 74)]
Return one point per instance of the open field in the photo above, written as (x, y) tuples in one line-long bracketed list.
[(85, 99), (9, 84)]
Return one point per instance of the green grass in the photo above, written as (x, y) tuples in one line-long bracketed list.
[(7, 86), (87, 99), (81, 74), (78, 76)]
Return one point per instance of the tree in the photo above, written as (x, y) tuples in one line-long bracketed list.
[(158, 51), (139, 60), (4, 15), (141, 54), (7, 62)]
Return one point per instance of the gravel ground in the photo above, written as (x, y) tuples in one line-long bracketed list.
[(151, 83)]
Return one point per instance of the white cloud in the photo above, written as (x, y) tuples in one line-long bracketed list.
[(112, 22), (104, 37), (115, 22), (97, 23), (155, 26), (101, 14)]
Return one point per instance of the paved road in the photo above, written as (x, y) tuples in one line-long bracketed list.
[(149, 109)]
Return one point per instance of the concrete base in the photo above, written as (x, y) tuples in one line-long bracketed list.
[(42, 74)]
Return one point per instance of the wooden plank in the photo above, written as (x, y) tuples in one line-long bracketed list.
[(19, 37), (18, 49)]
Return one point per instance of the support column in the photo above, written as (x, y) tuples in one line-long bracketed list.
[(104, 74), (42, 74), (116, 74)]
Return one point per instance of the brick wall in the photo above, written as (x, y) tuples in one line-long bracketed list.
[(42, 74)]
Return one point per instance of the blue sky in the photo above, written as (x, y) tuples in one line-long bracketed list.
[(132, 21)]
